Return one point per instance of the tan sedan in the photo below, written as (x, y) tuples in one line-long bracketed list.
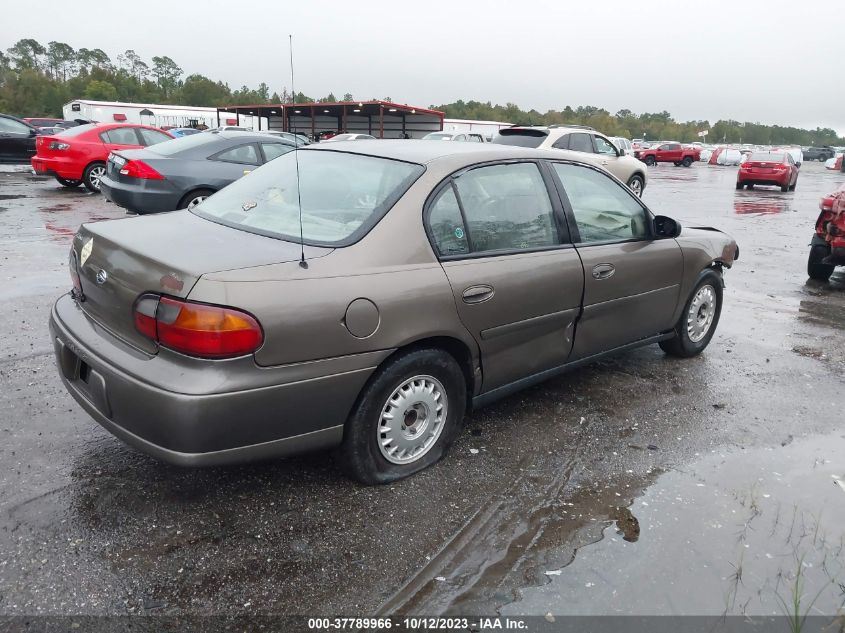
[(371, 301)]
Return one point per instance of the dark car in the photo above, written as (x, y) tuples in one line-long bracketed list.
[(181, 173), (17, 140), (820, 154), (369, 294)]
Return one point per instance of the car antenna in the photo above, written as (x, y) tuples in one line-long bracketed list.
[(302, 262)]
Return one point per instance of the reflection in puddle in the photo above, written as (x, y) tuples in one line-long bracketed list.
[(760, 205), (730, 534)]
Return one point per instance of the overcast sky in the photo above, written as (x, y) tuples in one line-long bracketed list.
[(770, 61)]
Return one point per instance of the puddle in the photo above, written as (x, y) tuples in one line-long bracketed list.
[(741, 533), (11, 196)]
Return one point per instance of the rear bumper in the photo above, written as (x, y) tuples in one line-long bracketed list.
[(56, 167), (150, 197), (773, 180), (177, 409)]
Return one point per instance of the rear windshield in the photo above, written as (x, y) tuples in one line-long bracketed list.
[(183, 143), (76, 131), (525, 137), (342, 196), (767, 157)]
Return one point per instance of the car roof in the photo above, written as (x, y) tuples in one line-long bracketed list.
[(416, 151)]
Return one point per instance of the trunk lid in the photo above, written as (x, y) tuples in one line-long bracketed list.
[(119, 260)]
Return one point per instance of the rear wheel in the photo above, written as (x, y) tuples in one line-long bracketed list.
[(92, 175), (699, 319), (739, 185), (406, 417), (785, 187), (750, 185), (687, 161), (793, 185), (636, 184), (68, 182), (815, 269), (194, 198), (649, 160)]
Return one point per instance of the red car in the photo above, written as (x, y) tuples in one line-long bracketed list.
[(669, 153), (78, 155), (827, 249), (768, 168)]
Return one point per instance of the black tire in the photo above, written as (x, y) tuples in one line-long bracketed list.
[(822, 159), (739, 185), (785, 188), (815, 269), (68, 182), (682, 345), (362, 455), (185, 202), (677, 163), (649, 160), (92, 174), (750, 185), (687, 161), (793, 185), (637, 184)]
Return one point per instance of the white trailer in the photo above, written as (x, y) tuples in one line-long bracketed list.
[(157, 115), (487, 128)]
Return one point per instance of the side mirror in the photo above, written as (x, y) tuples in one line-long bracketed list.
[(666, 227)]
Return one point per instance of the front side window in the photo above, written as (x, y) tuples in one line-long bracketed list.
[(506, 207), (581, 143), (603, 146), (604, 210), (274, 150), (120, 136), (244, 154), (151, 137), (12, 126), (342, 196)]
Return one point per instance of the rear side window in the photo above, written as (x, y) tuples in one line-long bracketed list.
[(603, 209), (581, 143), (10, 125), (120, 136), (497, 208), (77, 130), (151, 137), (244, 154), (521, 137), (446, 225)]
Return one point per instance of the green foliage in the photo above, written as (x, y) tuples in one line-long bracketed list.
[(37, 81), (100, 91)]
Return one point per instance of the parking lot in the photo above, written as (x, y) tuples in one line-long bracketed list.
[(543, 503)]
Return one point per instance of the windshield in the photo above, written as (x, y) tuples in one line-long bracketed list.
[(525, 137), (438, 136), (342, 196), (766, 157)]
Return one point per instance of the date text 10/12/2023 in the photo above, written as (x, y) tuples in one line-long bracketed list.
[(418, 624)]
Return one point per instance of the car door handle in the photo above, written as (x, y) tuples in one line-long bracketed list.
[(477, 294), (603, 271)]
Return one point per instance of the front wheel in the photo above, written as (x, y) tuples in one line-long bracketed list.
[(677, 163), (406, 417), (68, 182), (637, 184), (649, 160), (815, 268), (699, 318), (92, 175), (687, 161)]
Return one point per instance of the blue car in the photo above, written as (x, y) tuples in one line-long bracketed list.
[(183, 131)]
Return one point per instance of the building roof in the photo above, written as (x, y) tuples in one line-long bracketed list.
[(334, 108)]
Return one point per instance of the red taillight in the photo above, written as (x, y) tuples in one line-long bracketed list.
[(745, 165), (58, 145), (197, 329), (140, 169)]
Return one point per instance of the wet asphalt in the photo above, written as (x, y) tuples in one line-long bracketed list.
[(596, 492)]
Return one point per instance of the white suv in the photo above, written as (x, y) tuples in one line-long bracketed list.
[(582, 139)]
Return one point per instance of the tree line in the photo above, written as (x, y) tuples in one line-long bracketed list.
[(38, 79)]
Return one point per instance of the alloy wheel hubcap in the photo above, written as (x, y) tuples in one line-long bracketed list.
[(96, 175), (412, 420), (636, 187), (196, 201), (701, 313)]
